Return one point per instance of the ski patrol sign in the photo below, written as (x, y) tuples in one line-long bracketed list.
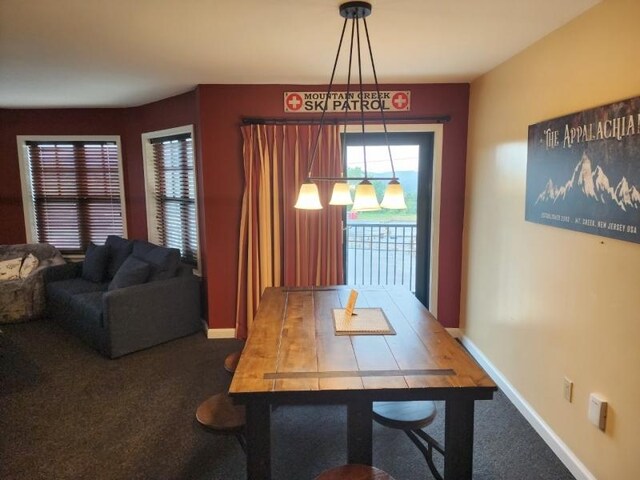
[(368, 101)]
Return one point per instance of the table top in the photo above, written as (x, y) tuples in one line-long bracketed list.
[(293, 351)]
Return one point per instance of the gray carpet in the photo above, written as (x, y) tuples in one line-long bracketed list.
[(68, 413)]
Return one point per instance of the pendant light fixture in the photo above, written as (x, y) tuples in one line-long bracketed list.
[(365, 193), (308, 197)]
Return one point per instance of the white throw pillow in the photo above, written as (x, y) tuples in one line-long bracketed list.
[(29, 264), (10, 269)]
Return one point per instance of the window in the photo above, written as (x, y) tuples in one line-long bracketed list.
[(72, 190), (172, 216)]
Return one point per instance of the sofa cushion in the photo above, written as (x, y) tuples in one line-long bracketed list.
[(164, 261), (88, 306), (10, 269), (63, 290), (132, 272), (119, 249), (95, 263), (29, 264)]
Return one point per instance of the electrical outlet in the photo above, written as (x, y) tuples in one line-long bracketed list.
[(568, 390)]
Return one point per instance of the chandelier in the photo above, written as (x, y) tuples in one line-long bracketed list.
[(365, 195)]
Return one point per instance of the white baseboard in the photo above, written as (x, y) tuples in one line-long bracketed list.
[(562, 451), (221, 333)]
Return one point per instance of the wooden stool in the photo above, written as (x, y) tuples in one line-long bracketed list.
[(354, 472), (411, 417), (231, 362), (219, 414)]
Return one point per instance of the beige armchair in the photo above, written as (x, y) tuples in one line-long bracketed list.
[(23, 299)]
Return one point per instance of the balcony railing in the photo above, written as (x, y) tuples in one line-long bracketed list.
[(381, 254)]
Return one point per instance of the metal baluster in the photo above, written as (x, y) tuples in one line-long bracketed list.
[(359, 238), (379, 267), (349, 246), (362, 251), (370, 255), (386, 278), (355, 256), (411, 280), (403, 244), (395, 253)]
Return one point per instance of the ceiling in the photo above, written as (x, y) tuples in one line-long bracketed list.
[(115, 53)]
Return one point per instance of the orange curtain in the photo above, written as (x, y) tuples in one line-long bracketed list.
[(280, 245)]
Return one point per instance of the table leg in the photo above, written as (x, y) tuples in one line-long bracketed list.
[(359, 432), (458, 439), (258, 433)]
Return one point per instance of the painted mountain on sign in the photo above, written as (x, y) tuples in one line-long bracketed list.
[(594, 185)]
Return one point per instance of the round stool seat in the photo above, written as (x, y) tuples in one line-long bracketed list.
[(231, 362), (354, 472), (404, 415), (219, 413)]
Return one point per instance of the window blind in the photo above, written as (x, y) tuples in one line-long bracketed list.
[(175, 194), (75, 189)]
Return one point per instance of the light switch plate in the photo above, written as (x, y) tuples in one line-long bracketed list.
[(568, 390), (598, 411)]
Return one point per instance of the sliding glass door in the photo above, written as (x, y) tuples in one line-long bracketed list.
[(391, 247)]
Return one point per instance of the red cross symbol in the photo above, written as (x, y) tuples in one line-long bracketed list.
[(400, 100), (294, 102)]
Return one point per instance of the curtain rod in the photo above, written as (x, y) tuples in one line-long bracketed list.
[(341, 120)]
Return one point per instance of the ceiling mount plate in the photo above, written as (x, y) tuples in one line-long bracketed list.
[(355, 9)]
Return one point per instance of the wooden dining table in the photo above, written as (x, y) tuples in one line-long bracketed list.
[(294, 355)]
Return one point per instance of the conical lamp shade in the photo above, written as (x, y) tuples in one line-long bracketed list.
[(394, 196), (308, 197), (365, 199), (341, 194)]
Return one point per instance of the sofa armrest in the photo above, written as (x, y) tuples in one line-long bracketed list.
[(144, 315), (62, 272)]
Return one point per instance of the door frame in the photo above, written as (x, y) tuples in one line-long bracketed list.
[(434, 241)]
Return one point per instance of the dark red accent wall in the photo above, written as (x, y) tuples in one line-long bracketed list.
[(168, 113), (221, 110), (40, 122), (128, 123), (216, 112)]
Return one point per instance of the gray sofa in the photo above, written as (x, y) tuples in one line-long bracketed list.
[(117, 317)]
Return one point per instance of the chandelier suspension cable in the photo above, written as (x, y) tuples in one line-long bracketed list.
[(341, 194), (326, 100), (348, 92), (365, 195), (364, 147), (365, 198), (375, 80)]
